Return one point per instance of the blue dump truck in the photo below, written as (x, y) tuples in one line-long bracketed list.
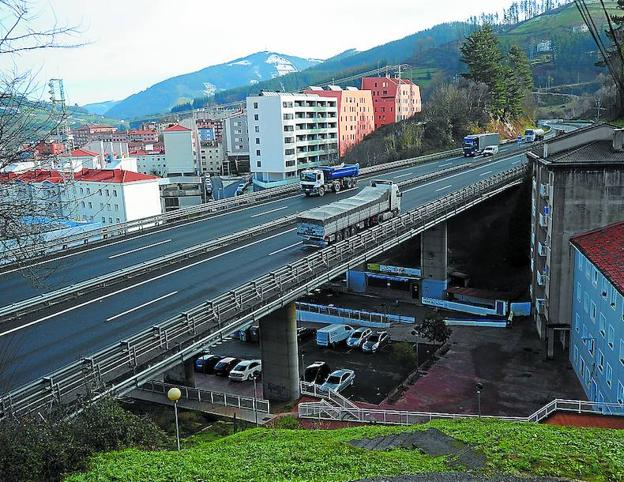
[(337, 221), (329, 178), (474, 144)]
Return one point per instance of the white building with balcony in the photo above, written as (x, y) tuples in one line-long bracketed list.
[(288, 133)]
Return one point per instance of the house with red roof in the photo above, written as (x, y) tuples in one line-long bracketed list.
[(597, 335)]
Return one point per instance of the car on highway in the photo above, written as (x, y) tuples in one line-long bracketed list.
[(338, 380), (225, 366), (305, 333), (490, 151), (316, 373), (206, 363), (245, 370), (376, 342), (358, 337)]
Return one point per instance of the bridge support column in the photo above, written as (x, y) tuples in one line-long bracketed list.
[(434, 261), (279, 352), (182, 374)]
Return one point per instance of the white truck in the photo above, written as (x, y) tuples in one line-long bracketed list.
[(333, 334), (337, 221), (532, 135)]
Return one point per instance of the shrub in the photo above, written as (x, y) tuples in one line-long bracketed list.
[(403, 354), (288, 422)]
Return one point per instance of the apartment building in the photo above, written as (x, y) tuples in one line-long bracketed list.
[(393, 99), (150, 162), (87, 132), (212, 158), (106, 196), (288, 133), (356, 117), (180, 151), (236, 143), (597, 335), (578, 181)]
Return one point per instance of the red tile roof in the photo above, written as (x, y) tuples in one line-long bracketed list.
[(176, 128), (604, 247), (141, 132), (91, 175), (83, 153)]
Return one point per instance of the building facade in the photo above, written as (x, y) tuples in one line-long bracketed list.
[(578, 185), (87, 132), (394, 100), (288, 133), (356, 117), (597, 335), (180, 151), (236, 143), (212, 158)]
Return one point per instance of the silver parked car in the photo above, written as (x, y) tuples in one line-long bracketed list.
[(375, 342), (358, 337), (338, 380)]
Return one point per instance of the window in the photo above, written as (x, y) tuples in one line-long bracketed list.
[(108, 208), (613, 301), (620, 394), (611, 338), (577, 323), (107, 192), (609, 374), (602, 325), (257, 152), (601, 361), (258, 164), (578, 291), (90, 205), (586, 303), (103, 220), (257, 140), (592, 312), (603, 288), (255, 104), (622, 351), (257, 128), (81, 191), (116, 220), (595, 277), (88, 191), (116, 207), (114, 193), (82, 204), (256, 117)]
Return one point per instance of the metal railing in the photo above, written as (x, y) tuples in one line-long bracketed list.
[(209, 396), (314, 390), (576, 406), (133, 361), (209, 209), (355, 316)]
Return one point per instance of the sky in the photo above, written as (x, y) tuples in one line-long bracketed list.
[(130, 45)]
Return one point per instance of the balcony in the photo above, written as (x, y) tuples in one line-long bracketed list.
[(543, 220), (543, 249), (540, 306), (544, 190), (542, 278)]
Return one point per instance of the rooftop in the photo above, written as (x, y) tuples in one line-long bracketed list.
[(598, 152), (604, 247), (177, 128), (91, 175), (83, 153)]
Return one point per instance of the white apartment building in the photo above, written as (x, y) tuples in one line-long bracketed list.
[(153, 163), (105, 196), (180, 152), (288, 133), (211, 157)]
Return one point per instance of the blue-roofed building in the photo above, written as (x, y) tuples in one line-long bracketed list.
[(597, 336)]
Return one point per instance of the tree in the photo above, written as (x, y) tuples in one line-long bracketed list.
[(434, 329), (520, 68)]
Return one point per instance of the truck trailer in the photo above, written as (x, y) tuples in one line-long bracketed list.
[(474, 144), (329, 178), (337, 221)]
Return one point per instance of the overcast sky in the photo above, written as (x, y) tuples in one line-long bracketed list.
[(132, 44)]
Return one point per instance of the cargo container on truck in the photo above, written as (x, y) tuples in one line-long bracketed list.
[(532, 135), (337, 221), (329, 178), (475, 144)]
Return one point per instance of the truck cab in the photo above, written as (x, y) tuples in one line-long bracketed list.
[(320, 180), (311, 180)]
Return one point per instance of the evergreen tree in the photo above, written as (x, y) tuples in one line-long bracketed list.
[(521, 68)]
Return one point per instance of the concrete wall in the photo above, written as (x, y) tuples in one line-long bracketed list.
[(179, 152)]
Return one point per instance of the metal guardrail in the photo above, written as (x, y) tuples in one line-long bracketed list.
[(20, 308), (135, 360), (209, 209), (576, 406), (209, 396)]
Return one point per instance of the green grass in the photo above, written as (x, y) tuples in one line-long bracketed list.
[(324, 455), (564, 18)]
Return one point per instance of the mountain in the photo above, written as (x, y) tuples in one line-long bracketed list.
[(100, 108), (205, 82)]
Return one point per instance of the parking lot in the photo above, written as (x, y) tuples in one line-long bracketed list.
[(375, 374)]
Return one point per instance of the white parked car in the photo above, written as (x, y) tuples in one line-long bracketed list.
[(246, 370), (490, 151), (358, 337), (375, 342), (338, 380)]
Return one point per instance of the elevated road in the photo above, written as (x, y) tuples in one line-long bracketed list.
[(50, 339)]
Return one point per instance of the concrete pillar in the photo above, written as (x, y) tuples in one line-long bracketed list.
[(434, 261), (550, 343), (182, 374), (279, 353)]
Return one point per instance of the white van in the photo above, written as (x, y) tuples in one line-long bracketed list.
[(333, 334)]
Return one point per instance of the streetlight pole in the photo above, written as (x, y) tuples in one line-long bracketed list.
[(174, 395), (479, 387), (255, 400)]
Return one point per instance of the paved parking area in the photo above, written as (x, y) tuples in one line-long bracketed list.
[(375, 374)]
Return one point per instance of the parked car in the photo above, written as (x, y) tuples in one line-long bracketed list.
[(304, 333), (490, 151), (375, 342), (338, 380), (245, 370), (206, 363), (358, 337), (240, 189), (333, 334), (224, 367), (316, 373)]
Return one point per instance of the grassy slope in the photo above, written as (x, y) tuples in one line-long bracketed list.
[(272, 455)]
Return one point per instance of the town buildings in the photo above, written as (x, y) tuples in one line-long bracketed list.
[(393, 99), (597, 335), (356, 118), (236, 143), (288, 133), (87, 132), (578, 182)]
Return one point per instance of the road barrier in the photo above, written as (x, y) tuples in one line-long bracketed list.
[(132, 362)]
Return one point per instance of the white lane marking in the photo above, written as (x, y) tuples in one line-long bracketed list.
[(447, 164), (71, 308), (443, 188), (141, 306), (455, 175), (269, 212), (518, 162), (485, 173), (287, 247), (402, 175), (139, 249)]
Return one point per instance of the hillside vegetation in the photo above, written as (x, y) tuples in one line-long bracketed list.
[(324, 455)]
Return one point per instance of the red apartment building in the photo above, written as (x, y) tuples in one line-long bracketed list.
[(355, 114), (393, 99)]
